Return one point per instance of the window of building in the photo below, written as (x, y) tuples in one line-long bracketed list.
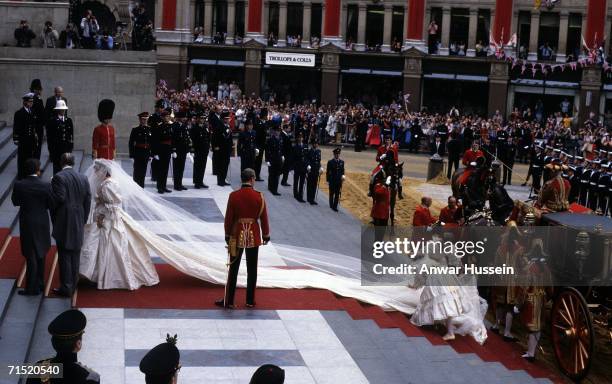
[(240, 18), (375, 19), (574, 31), (524, 30), (316, 19), (434, 30), (352, 16), (295, 18), (219, 17), (459, 29), (548, 35), (397, 28), (199, 14), (273, 9), (483, 27)]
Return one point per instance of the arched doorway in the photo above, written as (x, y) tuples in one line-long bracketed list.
[(106, 18)]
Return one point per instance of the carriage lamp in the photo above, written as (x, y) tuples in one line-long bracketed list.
[(529, 219), (582, 251)]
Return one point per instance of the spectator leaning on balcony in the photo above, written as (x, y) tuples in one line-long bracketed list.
[(69, 37), (24, 35), (49, 36), (90, 28), (105, 41), (147, 40)]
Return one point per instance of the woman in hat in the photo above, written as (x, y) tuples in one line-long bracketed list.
[(60, 135)]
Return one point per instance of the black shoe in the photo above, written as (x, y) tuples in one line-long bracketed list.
[(250, 305), (494, 330), (161, 191), (259, 179), (221, 184), (276, 193), (178, 189), (285, 184), (59, 292), (530, 359), (183, 188), (221, 303), (167, 190), (301, 200), (524, 184), (335, 209), (510, 339), (204, 186), (313, 203), (24, 292), (197, 186)]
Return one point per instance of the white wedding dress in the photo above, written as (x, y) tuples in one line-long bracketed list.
[(114, 255), (141, 224)]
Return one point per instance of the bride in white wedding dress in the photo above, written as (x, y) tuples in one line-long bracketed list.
[(137, 225)]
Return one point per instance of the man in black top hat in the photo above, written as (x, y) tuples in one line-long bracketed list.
[(60, 135), (268, 374), (162, 150), (313, 167), (335, 177), (247, 146), (300, 151), (181, 146), (38, 108), (200, 137), (140, 148), (33, 197), (222, 144), (274, 160), (25, 134), (161, 364), (66, 338)]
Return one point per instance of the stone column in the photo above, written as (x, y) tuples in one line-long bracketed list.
[(266, 21), (208, 19), (282, 23), (231, 22), (415, 27), (330, 74), (343, 11), (158, 15), (533, 35), (361, 24), (498, 87), (563, 28), (446, 20), (471, 43), (590, 91), (306, 17), (387, 21), (331, 23), (252, 68), (254, 20), (412, 77)]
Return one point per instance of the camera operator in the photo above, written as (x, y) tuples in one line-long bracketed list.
[(24, 35), (69, 37), (90, 28), (50, 36), (105, 41)]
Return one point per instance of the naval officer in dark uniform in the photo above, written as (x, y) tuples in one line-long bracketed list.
[(335, 177), (25, 134), (200, 137), (274, 160), (313, 167), (162, 363), (247, 146), (300, 151), (60, 135), (66, 338), (140, 148)]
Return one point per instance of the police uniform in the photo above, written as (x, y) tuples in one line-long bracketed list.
[(259, 127), (181, 146), (162, 148), (313, 166), (334, 177), (66, 328), (155, 121), (300, 152), (162, 362), (200, 137), (287, 151), (60, 136), (274, 157), (139, 147), (25, 135), (247, 147)]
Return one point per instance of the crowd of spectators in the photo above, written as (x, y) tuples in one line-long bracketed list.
[(88, 34)]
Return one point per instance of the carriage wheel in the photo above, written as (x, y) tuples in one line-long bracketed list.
[(572, 333)]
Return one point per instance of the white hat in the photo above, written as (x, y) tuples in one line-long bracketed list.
[(60, 105)]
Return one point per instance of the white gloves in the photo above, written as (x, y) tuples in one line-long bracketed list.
[(268, 163), (343, 177), (516, 310), (473, 163), (308, 168), (282, 158), (382, 157), (190, 157), (388, 181), (320, 170), (256, 152), (174, 155), (156, 157)]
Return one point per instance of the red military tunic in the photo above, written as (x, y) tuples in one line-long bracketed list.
[(103, 142), (380, 203), (246, 207), (471, 156), (554, 195), (450, 216), (422, 217), (383, 150)]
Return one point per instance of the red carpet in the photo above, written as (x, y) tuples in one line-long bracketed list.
[(12, 261), (179, 291)]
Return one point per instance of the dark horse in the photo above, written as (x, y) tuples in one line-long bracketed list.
[(479, 187), (396, 172)]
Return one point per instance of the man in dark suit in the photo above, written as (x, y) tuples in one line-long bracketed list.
[(454, 148), (58, 94), (33, 197), (38, 109), (72, 201), (437, 146), (25, 135), (222, 143)]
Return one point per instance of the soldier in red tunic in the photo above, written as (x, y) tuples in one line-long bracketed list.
[(380, 206), (422, 217), (471, 155), (103, 140), (246, 208), (451, 214), (555, 192), (382, 151)]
